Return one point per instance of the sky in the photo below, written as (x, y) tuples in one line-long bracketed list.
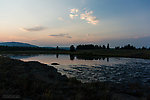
[(67, 22)]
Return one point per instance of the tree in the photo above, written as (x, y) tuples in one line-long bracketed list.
[(128, 47), (57, 48), (96, 47), (72, 48), (100, 47), (144, 48), (117, 47), (108, 46), (104, 47)]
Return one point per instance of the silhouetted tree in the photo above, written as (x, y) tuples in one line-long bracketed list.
[(84, 47), (96, 47), (104, 47), (144, 48), (72, 48), (91, 46), (108, 46), (117, 47), (100, 47), (128, 47), (57, 48)]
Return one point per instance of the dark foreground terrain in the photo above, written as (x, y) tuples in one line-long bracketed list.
[(35, 81)]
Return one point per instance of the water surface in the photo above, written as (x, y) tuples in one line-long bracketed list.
[(89, 69)]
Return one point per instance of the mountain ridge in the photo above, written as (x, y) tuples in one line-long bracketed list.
[(16, 44)]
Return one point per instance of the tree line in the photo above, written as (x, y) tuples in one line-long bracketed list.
[(92, 47), (72, 48), (89, 47), (131, 47)]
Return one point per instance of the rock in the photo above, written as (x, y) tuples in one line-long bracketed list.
[(55, 64)]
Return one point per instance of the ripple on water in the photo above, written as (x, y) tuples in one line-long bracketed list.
[(131, 71)]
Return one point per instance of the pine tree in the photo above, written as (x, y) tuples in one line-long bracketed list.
[(72, 48), (57, 48), (108, 46)]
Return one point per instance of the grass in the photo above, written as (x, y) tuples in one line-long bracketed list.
[(145, 54)]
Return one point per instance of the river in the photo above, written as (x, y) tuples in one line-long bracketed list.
[(90, 69)]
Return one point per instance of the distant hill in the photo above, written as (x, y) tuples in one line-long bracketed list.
[(16, 44), (65, 48)]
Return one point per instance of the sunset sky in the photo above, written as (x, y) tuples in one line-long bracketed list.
[(66, 22)]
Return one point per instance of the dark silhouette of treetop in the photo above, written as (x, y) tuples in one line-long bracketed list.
[(91, 46), (72, 48), (129, 47), (57, 48), (104, 47), (108, 46)]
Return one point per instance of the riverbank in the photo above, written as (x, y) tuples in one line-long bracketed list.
[(35, 81), (144, 54)]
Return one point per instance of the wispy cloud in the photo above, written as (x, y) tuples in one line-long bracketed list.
[(60, 18), (74, 10), (61, 35), (35, 28), (72, 16), (89, 17), (73, 13), (84, 15)]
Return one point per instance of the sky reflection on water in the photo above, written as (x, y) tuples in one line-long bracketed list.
[(88, 69)]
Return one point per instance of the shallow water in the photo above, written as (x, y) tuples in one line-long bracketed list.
[(89, 69)]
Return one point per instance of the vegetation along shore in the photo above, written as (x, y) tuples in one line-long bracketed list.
[(90, 50)]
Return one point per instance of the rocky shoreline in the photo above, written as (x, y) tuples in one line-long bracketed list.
[(35, 81)]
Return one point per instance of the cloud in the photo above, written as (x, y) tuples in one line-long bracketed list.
[(32, 29), (89, 17), (86, 15), (61, 35), (73, 13), (72, 16), (74, 10), (60, 18)]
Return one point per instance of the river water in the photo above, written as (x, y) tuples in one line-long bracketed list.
[(89, 69)]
